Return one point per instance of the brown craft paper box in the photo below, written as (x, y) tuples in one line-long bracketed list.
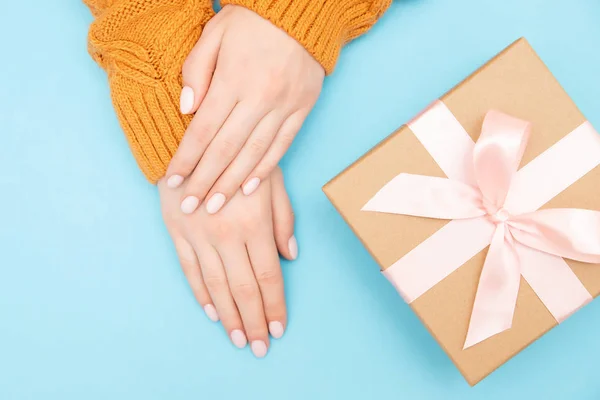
[(515, 82)]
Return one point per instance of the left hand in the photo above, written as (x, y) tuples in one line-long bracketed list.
[(251, 86), (231, 262)]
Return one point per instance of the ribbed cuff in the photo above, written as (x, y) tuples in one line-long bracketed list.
[(142, 46), (321, 26), (150, 118)]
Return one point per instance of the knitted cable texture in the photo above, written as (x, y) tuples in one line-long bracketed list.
[(142, 45)]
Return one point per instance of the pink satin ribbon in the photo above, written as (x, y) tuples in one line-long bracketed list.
[(493, 203)]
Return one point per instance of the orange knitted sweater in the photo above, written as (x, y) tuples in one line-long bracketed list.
[(142, 45)]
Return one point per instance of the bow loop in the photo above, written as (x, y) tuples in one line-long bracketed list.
[(497, 156)]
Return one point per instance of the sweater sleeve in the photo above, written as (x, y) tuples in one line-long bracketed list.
[(142, 45), (323, 27)]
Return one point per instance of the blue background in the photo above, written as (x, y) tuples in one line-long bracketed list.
[(92, 301)]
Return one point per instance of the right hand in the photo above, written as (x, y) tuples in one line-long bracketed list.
[(230, 259), (250, 86)]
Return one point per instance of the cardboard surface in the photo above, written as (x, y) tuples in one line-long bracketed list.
[(515, 82)]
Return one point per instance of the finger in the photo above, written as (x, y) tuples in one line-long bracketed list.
[(215, 279), (191, 270), (265, 263), (213, 112), (246, 294), (198, 69), (283, 217), (251, 153), (219, 154), (284, 138)]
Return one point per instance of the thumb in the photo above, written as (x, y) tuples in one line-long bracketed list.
[(283, 217), (198, 68)]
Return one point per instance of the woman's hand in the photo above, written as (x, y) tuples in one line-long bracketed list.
[(251, 86), (231, 259)]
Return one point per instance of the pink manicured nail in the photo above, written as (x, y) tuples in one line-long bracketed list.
[(189, 204), (276, 329), (251, 186), (259, 348), (238, 338), (293, 247), (215, 203), (174, 181), (211, 312), (186, 101)]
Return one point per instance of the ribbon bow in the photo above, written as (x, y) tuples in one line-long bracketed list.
[(490, 202)]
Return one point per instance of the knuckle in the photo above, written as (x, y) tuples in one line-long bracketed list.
[(222, 230), (251, 220), (309, 89), (227, 149), (258, 145), (201, 134), (228, 81), (269, 277), (187, 264), (287, 138), (215, 283), (277, 74), (271, 92), (244, 291), (185, 165)]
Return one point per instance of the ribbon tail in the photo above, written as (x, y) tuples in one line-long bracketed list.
[(427, 196), (545, 273), (497, 292), (565, 232)]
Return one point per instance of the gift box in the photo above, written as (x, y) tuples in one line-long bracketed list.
[(482, 211)]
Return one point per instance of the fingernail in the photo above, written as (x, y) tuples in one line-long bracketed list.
[(238, 338), (174, 181), (211, 312), (186, 101), (215, 203), (189, 204), (276, 329), (259, 348), (293, 247), (251, 186)]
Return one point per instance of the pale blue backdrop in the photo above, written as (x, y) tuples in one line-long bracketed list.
[(92, 301)]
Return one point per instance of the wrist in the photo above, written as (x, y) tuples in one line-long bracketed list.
[(320, 26)]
